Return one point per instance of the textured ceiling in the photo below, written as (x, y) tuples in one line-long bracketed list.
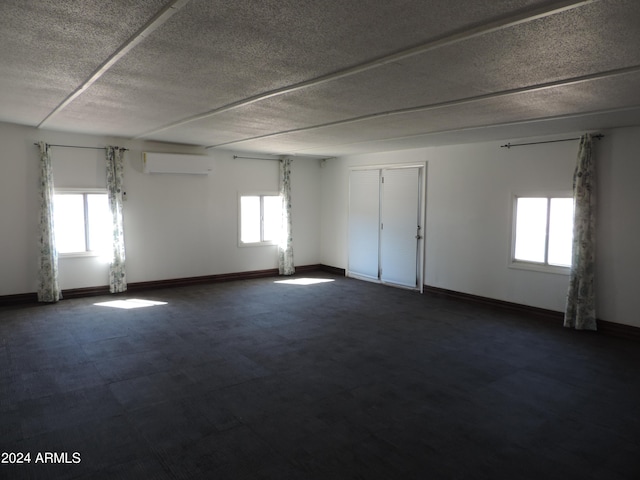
[(320, 78)]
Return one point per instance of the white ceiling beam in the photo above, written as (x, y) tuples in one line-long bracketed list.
[(447, 40), (153, 24), (572, 116), (452, 103)]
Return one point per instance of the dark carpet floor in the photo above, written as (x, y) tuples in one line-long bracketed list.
[(344, 379)]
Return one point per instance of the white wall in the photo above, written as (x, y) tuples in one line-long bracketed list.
[(468, 227), (19, 175), (183, 226), (619, 227), (176, 226)]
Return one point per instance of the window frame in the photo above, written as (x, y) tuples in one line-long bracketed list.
[(84, 192), (261, 195), (531, 265)]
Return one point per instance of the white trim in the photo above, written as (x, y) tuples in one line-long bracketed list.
[(422, 243), (422, 213), (241, 244), (86, 254), (64, 191), (84, 192), (512, 262), (388, 166), (271, 243), (539, 267)]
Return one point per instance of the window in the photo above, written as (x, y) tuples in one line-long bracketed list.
[(82, 222), (543, 233), (260, 219)]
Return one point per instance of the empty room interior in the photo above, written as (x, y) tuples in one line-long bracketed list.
[(324, 240)]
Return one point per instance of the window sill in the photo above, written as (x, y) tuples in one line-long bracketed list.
[(538, 267), (258, 244), (81, 255)]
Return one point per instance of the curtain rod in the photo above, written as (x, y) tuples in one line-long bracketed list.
[(509, 145), (254, 158), (77, 146)]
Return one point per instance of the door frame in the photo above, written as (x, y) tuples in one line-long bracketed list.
[(422, 214)]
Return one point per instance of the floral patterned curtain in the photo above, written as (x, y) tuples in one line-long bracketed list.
[(115, 176), (48, 287), (285, 247), (581, 305)]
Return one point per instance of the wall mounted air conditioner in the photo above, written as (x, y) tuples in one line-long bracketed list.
[(176, 163)]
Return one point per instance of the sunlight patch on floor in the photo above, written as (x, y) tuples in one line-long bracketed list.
[(304, 281), (130, 303)]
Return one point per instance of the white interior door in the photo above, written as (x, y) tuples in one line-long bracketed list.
[(400, 229), (364, 224)]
